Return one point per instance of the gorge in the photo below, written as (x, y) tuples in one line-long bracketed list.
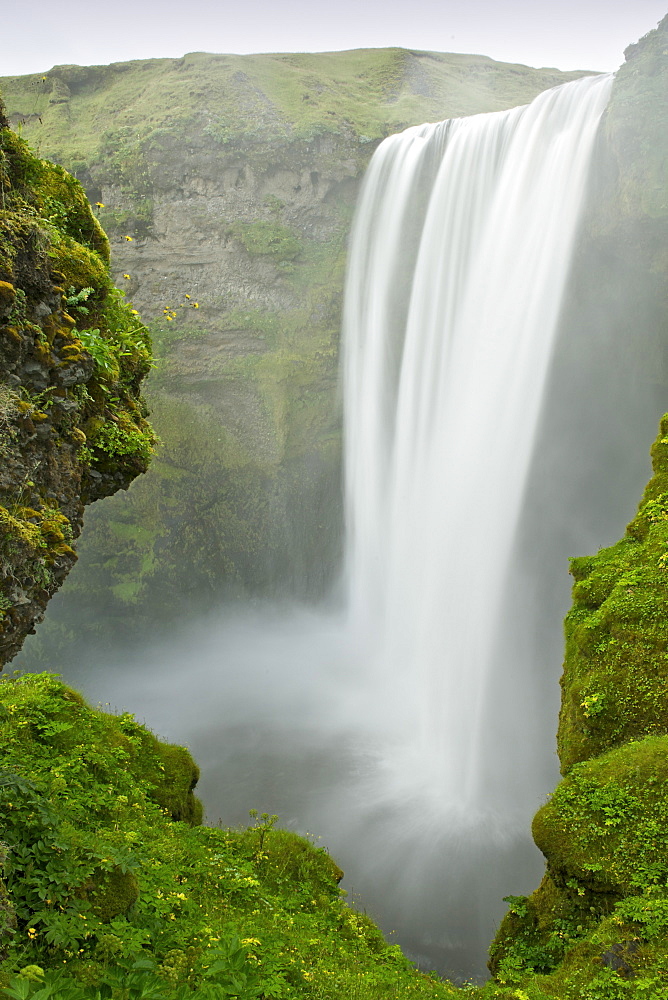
[(301, 719)]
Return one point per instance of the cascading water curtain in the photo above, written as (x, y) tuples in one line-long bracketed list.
[(460, 253)]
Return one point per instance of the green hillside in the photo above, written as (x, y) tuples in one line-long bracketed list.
[(72, 111)]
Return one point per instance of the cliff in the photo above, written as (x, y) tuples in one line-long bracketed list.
[(236, 176), (597, 927), (72, 356)]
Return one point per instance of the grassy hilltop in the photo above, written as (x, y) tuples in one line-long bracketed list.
[(238, 99)]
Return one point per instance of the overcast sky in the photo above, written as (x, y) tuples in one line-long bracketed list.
[(568, 34)]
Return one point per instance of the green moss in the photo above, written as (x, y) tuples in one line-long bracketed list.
[(111, 894), (539, 930), (598, 926), (269, 239), (106, 883), (616, 633), (607, 822), (174, 790), (46, 219), (79, 266)]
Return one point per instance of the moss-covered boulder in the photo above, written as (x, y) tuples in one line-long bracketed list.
[(72, 357)]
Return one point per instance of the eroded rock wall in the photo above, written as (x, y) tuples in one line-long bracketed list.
[(72, 356)]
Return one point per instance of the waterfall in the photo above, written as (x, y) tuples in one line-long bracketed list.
[(460, 253), (410, 734)]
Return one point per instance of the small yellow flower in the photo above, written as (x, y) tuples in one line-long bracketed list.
[(127, 276), (128, 238), (134, 313), (186, 295), (195, 305), (99, 204), (32, 933)]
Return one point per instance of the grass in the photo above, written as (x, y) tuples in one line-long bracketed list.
[(364, 92)]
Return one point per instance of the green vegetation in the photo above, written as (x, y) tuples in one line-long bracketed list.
[(616, 633), (114, 888), (72, 356), (255, 99), (597, 927), (117, 891), (270, 238), (45, 210)]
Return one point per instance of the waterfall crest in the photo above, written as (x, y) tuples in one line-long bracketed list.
[(460, 253)]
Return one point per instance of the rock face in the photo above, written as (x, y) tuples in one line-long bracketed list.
[(236, 178), (72, 355), (597, 924)]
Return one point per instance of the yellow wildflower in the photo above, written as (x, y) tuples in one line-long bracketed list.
[(127, 276), (128, 238)]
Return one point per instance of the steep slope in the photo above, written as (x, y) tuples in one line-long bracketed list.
[(236, 178), (72, 357), (597, 927)]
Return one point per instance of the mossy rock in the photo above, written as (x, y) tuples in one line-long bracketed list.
[(80, 267), (72, 352), (540, 929), (111, 894), (606, 824), (174, 790), (617, 633)]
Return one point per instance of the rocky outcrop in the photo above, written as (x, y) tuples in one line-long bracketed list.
[(597, 924), (72, 356)]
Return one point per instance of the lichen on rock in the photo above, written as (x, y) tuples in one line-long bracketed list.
[(72, 357)]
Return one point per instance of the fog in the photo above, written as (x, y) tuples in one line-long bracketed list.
[(277, 709)]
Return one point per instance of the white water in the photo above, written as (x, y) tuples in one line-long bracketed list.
[(460, 253)]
